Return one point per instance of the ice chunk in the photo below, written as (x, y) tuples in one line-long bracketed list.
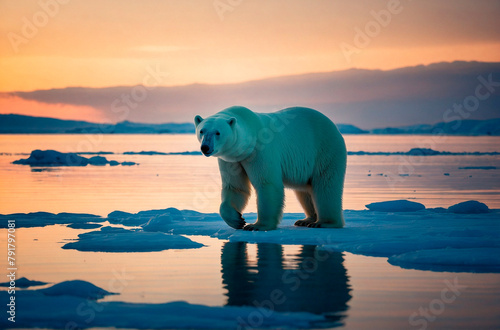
[(84, 225), (458, 260), (128, 163), (148, 153), (76, 288), (478, 168), (37, 310), (52, 158), (469, 207), (41, 219), (162, 222), (110, 239), (155, 153), (98, 161), (23, 282), (396, 206), (144, 217), (423, 152), (56, 158)]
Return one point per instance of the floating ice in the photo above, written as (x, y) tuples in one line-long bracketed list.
[(411, 152), (53, 158), (76, 288), (41, 219), (23, 282), (421, 152), (70, 310), (435, 234), (56, 158), (98, 161), (396, 206), (155, 153), (162, 221), (478, 168), (148, 153), (84, 225), (450, 259), (148, 221), (469, 207), (110, 239)]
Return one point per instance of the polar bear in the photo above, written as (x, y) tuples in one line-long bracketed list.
[(297, 148)]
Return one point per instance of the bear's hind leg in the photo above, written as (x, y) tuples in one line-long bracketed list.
[(327, 198), (306, 201)]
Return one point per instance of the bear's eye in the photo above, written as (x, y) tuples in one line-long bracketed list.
[(217, 133), (202, 131)]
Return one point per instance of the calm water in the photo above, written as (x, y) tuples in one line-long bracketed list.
[(361, 292), (193, 182)]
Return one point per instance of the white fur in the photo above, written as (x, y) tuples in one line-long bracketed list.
[(297, 148)]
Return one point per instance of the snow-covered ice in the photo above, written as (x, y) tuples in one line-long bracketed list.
[(416, 238), (425, 239)]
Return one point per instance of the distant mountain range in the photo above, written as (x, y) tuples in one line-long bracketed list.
[(368, 99), (19, 124)]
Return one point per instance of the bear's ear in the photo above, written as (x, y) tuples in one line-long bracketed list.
[(231, 121), (197, 120)]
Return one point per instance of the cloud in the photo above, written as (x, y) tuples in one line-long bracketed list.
[(31, 107), (366, 98)]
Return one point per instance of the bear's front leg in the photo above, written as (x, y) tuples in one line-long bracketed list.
[(231, 216), (270, 202), (235, 193)]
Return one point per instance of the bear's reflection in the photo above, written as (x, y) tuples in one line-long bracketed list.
[(309, 281)]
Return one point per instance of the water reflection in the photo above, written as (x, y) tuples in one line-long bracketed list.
[(307, 280)]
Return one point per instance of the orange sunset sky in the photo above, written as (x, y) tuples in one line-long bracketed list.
[(50, 44)]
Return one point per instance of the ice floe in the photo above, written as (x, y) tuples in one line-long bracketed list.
[(396, 206), (412, 236), (41, 219), (72, 305), (111, 239), (422, 152), (56, 158), (23, 282), (155, 153), (469, 207), (84, 225), (76, 288)]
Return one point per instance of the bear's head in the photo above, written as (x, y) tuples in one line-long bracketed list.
[(216, 135)]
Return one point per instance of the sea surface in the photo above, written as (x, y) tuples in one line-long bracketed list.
[(363, 292), (193, 182)]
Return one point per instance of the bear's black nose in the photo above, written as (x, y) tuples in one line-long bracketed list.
[(205, 148)]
